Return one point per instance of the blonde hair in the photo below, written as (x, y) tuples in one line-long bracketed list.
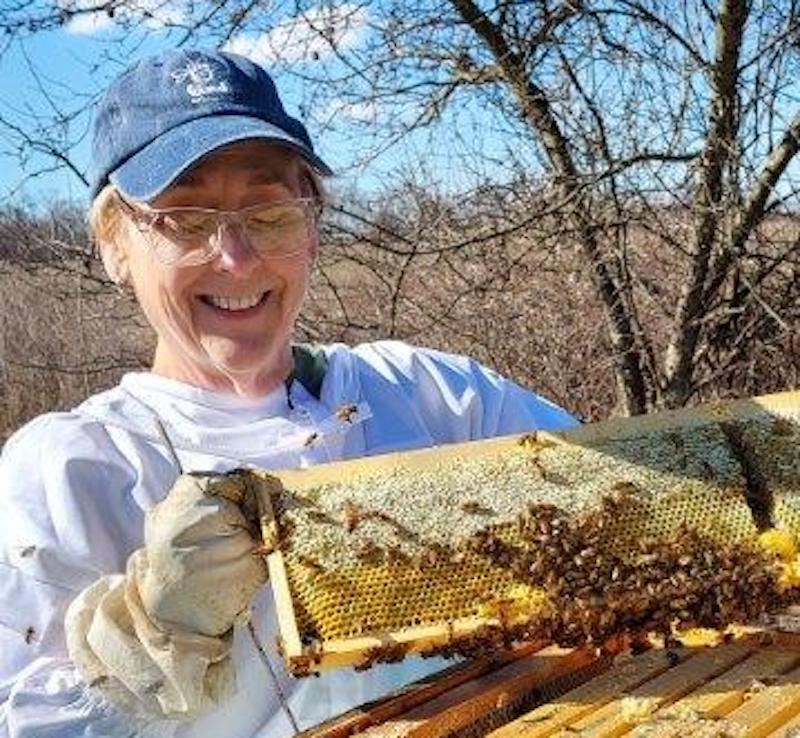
[(105, 216), (313, 181)]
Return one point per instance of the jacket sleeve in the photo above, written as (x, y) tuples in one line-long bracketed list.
[(454, 397), (68, 517)]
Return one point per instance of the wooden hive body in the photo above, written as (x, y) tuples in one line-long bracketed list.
[(747, 688)]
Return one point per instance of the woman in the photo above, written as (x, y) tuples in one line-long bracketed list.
[(124, 601)]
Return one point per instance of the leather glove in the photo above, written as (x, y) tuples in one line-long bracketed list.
[(157, 640), (201, 572)]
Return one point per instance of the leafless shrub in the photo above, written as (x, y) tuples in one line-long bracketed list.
[(495, 275), (65, 331)]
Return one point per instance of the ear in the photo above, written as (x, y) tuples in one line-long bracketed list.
[(115, 261)]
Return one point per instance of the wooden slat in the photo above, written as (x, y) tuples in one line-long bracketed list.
[(620, 716), (462, 706), (709, 728), (696, 713), (714, 689), (726, 692), (284, 609), (428, 458), (344, 652), (268, 522), (628, 672), (416, 694), (790, 729), (768, 710)]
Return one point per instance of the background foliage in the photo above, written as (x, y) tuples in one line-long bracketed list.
[(596, 198)]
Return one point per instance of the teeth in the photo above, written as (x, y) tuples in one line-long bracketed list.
[(235, 303)]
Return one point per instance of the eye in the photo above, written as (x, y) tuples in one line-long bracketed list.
[(187, 224), (277, 220)]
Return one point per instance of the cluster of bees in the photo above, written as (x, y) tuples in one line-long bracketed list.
[(388, 653), (596, 586), (599, 589)]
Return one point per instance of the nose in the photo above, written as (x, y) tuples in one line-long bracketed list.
[(235, 254)]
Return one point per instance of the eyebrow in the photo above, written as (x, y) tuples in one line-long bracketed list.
[(188, 179), (259, 176), (194, 181)]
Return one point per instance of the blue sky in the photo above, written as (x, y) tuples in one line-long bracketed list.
[(21, 97), (75, 63), (74, 68)]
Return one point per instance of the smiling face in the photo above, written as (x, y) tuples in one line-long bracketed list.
[(225, 324)]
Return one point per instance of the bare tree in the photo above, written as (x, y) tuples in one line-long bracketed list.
[(677, 120), (654, 140)]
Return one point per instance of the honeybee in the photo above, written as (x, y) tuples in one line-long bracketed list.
[(346, 413), (394, 555), (308, 563), (709, 472), (386, 654), (319, 516), (676, 440), (782, 427), (671, 643), (433, 555), (625, 487), (263, 549), (351, 515), (369, 553), (155, 687), (673, 659), (532, 442)]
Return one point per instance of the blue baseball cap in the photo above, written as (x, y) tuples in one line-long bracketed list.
[(167, 112)]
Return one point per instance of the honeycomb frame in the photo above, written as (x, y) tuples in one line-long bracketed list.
[(306, 653)]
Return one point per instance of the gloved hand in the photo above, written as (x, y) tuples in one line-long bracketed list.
[(200, 572), (157, 640)]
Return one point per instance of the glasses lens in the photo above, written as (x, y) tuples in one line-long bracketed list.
[(188, 225), (186, 235), (278, 229), (182, 236)]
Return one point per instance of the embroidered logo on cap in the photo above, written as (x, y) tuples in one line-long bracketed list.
[(200, 82)]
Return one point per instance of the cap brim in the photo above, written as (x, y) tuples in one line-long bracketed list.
[(150, 171)]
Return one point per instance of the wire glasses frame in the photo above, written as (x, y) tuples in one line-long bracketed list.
[(192, 235)]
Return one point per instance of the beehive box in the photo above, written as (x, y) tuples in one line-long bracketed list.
[(746, 688), (546, 537)]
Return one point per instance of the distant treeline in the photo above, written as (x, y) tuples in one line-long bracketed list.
[(496, 274)]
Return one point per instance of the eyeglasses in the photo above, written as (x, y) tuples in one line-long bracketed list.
[(191, 235)]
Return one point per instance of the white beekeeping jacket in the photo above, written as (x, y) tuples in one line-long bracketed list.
[(75, 487)]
